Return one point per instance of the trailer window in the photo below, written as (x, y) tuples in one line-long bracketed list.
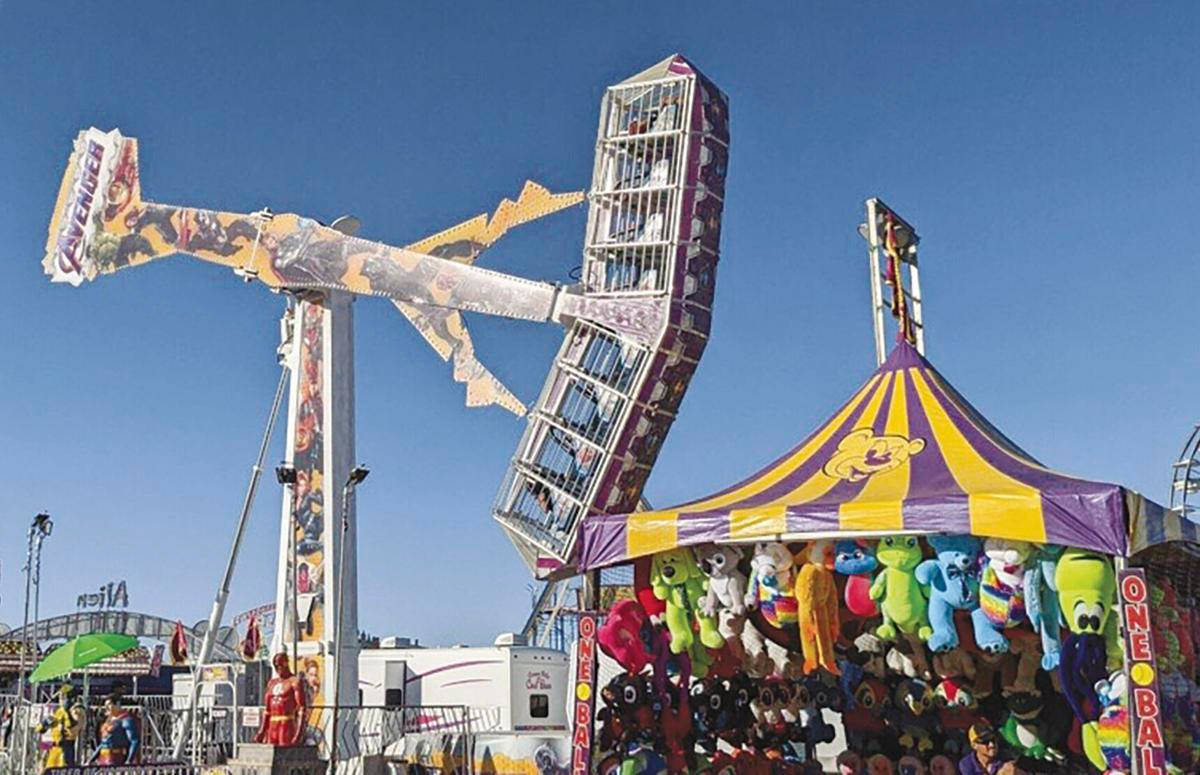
[(539, 705), (393, 698)]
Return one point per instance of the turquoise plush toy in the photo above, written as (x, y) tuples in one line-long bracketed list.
[(953, 582), (1041, 602), (903, 602)]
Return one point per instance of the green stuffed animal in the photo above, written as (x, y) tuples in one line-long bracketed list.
[(904, 602), (676, 579)]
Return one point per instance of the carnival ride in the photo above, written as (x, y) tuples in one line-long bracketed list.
[(637, 324), (1185, 475)]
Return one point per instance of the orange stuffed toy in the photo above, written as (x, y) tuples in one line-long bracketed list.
[(817, 602)]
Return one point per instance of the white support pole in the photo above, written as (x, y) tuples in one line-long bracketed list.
[(872, 236)]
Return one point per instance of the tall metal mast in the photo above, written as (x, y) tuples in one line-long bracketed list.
[(891, 248)]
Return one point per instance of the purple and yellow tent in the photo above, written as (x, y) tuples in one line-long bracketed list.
[(906, 453)]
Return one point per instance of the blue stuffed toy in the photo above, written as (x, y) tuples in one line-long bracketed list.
[(953, 582), (1041, 603)]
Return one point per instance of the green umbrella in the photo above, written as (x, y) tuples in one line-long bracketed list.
[(79, 652)]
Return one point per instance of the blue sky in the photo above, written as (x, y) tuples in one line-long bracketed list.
[(1046, 154)]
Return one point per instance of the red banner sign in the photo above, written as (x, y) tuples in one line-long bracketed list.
[(585, 695), (1149, 751)]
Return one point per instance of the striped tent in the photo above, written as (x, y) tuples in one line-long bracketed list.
[(906, 453)]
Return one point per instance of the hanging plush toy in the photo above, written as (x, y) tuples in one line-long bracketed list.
[(953, 585), (772, 584), (1087, 587), (675, 721), (1041, 602), (621, 636), (855, 559), (1001, 592), (956, 713), (1181, 625), (863, 721), (1023, 731), (913, 716), (817, 602), (1106, 741), (725, 599), (712, 710), (903, 602), (1026, 647), (677, 580)]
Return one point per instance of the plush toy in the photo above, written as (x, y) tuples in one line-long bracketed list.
[(675, 722), (768, 705), (880, 765), (956, 713), (1022, 730), (855, 559), (863, 721), (741, 692), (1041, 602), (912, 717), (1026, 647), (677, 580), (627, 717), (907, 658), (773, 584), (903, 600), (621, 636), (817, 604), (953, 585), (1001, 592), (725, 599), (1106, 740), (1181, 625), (1087, 585), (712, 710), (811, 722), (956, 664)]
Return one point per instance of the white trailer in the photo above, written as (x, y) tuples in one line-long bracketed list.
[(515, 696)]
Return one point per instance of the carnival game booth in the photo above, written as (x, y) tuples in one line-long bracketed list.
[(904, 572)]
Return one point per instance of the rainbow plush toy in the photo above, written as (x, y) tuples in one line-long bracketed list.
[(1106, 740), (1001, 593), (772, 584)]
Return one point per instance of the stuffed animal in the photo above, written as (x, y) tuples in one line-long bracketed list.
[(903, 601), (1181, 625), (956, 663), (768, 705), (880, 765), (712, 710), (811, 722), (773, 584), (1026, 647), (912, 716), (1106, 740), (855, 559), (1001, 592), (621, 636), (677, 580), (863, 721), (1087, 586), (907, 658), (627, 717), (817, 604), (956, 713), (1023, 731), (953, 585), (1041, 602), (725, 599), (675, 722), (741, 692)]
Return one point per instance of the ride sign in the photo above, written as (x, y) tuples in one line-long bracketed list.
[(585, 695), (1149, 751)]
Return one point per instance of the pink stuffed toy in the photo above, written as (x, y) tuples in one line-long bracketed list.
[(621, 636)]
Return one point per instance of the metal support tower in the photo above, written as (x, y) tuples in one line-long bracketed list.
[(1185, 476), (891, 247)]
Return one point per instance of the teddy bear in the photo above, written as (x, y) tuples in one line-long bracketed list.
[(725, 598), (677, 581), (1026, 647), (953, 585), (1001, 592), (855, 559), (817, 603), (902, 601), (622, 636)]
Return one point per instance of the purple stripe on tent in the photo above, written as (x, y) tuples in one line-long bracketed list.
[(929, 476), (603, 540), (703, 528)]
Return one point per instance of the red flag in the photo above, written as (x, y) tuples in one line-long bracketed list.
[(179, 649), (253, 640)]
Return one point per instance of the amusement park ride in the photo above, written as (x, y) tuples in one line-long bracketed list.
[(637, 324)]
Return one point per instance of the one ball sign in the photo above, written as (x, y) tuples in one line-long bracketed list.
[(1146, 717)]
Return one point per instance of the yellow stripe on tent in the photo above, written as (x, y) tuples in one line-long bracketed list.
[(999, 505), (879, 505), (762, 521), (780, 472), (649, 532), (820, 482)]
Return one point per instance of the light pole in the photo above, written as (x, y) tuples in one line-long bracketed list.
[(41, 527), (357, 475)]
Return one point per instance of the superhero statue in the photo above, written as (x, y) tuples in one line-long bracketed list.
[(63, 725), (283, 721), (119, 738)]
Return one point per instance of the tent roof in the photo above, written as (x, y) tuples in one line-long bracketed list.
[(906, 453)]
